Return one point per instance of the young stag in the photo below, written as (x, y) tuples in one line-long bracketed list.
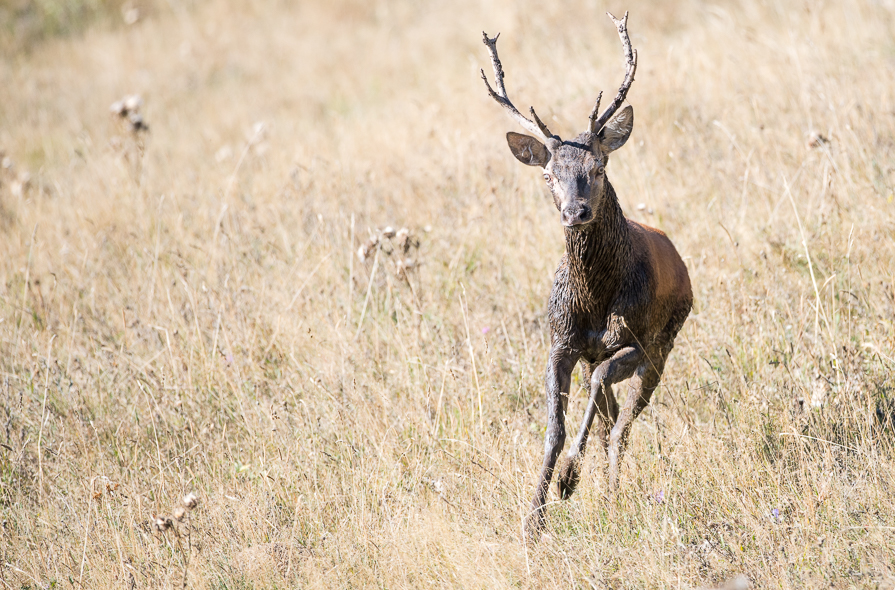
[(621, 292)]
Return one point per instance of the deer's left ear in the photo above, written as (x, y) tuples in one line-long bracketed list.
[(617, 130)]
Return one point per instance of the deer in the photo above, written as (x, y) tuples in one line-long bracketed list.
[(620, 295)]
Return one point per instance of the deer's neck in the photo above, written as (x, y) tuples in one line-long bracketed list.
[(597, 253)]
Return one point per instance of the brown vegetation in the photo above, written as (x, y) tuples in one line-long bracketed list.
[(184, 309)]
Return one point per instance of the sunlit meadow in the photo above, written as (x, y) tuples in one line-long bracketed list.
[(312, 294)]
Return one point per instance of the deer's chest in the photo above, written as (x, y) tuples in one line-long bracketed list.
[(582, 322)]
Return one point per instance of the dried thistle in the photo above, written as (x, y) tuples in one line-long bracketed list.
[(20, 185), (162, 523), (179, 513), (404, 265), (130, 13), (190, 501), (406, 241), (816, 140), (137, 122), (128, 108), (388, 240), (364, 251)]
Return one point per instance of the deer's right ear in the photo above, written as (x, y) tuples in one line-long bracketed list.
[(528, 150)]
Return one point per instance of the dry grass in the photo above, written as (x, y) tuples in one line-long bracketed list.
[(181, 310)]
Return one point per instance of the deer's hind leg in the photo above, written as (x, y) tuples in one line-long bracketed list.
[(643, 384), (602, 405)]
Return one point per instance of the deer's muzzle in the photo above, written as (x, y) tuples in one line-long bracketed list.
[(576, 215)]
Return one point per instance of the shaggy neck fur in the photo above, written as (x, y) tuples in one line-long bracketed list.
[(596, 255)]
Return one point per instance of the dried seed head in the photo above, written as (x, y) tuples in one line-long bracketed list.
[(190, 501), (816, 140), (402, 266), (133, 103), (137, 122), (437, 485), (179, 513), (129, 108), (20, 184), (406, 241), (388, 232), (364, 251), (130, 15), (127, 105), (162, 523)]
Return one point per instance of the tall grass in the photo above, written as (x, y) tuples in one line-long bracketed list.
[(184, 310), (26, 24)]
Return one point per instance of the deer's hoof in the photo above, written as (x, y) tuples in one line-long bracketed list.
[(612, 480), (612, 471), (569, 475)]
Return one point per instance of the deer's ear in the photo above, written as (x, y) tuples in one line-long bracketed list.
[(528, 150), (617, 130)]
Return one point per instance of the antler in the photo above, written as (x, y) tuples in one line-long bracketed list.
[(537, 127), (596, 123)]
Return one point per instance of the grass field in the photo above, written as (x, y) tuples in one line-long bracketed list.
[(184, 309)]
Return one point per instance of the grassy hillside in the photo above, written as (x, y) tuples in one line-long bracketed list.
[(184, 309)]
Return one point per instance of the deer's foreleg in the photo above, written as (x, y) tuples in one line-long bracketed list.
[(601, 404), (559, 376), (643, 384)]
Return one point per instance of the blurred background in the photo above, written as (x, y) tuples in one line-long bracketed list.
[(277, 254)]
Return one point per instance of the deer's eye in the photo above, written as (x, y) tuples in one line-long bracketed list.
[(600, 170), (548, 179)]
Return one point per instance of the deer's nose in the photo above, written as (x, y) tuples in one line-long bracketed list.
[(575, 215)]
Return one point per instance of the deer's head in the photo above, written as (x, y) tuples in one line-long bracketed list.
[(575, 171)]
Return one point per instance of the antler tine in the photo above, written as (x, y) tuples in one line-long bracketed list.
[(535, 127), (543, 128), (595, 112), (631, 67)]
